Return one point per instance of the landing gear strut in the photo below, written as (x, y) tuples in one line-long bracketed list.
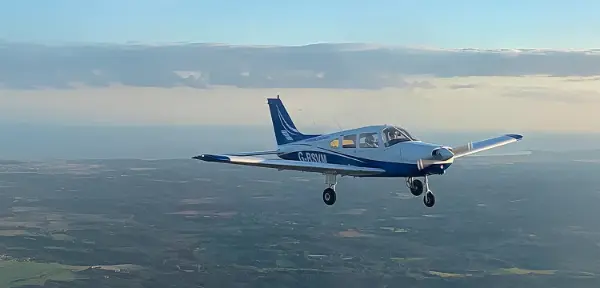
[(329, 192), (416, 188)]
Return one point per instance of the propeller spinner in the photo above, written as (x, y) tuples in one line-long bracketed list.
[(440, 156)]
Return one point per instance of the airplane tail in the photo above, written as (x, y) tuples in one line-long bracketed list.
[(283, 126)]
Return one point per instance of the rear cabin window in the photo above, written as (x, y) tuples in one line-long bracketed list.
[(349, 141), (335, 143)]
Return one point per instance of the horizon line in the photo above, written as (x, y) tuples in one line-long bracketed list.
[(373, 45)]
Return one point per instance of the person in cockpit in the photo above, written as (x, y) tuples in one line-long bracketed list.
[(370, 141)]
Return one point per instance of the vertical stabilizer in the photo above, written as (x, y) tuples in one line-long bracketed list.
[(283, 126)]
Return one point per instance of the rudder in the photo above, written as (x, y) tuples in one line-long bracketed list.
[(283, 126)]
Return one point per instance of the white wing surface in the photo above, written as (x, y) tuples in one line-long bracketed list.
[(254, 153), (281, 164), (470, 148), (474, 147)]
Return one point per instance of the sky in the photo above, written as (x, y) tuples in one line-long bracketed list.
[(423, 23)]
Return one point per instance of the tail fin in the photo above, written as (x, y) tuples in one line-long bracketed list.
[(283, 126)]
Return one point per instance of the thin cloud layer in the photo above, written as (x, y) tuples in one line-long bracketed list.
[(333, 66), (333, 85)]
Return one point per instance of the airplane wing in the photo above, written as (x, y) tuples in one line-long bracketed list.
[(478, 146), (281, 164), (254, 153)]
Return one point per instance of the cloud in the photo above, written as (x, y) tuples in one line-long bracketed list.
[(581, 79), (558, 95), (504, 104), (463, 86), (331, 66), (324, 84)]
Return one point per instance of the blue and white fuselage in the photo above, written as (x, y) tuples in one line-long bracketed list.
[(370, 151), (396, 159)]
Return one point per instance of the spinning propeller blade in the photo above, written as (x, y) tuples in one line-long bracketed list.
[(424, 163)]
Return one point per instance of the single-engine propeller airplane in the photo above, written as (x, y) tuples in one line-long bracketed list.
[(370, 151)]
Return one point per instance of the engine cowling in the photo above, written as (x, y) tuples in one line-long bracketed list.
[(442, 153)]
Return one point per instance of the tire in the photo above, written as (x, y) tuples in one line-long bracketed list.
[(429, 199), (329, 196), (416, 188)]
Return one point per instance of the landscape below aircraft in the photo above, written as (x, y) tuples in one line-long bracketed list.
[(370, 151)]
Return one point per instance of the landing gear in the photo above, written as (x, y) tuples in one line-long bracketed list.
[(429, 199), (329, 193), (329, 196), (416, 188)]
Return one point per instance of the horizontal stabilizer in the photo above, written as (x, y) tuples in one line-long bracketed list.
[(291, 165)]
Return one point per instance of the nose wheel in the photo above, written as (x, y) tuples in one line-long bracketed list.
[(429, 199), (416, 188)]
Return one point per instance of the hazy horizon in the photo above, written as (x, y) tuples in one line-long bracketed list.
[(167, 92)]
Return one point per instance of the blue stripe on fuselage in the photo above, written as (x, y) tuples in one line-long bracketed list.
[(393, 169)]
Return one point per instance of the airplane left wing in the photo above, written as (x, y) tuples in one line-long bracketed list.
[(478, 146), (280, 164), (254, 153)]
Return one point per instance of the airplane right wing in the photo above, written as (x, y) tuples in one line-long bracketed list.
[(478, 146), (291, 165)]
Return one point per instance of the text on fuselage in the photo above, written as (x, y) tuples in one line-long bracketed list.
[(312, 157)]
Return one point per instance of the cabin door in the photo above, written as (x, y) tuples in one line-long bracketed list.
[(393, 153)]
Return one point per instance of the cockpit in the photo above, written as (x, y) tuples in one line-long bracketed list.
[(392, 135)]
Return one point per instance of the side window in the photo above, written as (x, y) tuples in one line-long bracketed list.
[(392, 136), (335, 143), (368, 140), (349, 141)]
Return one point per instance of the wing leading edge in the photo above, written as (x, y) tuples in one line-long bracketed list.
[(291, 165), (478, 146)]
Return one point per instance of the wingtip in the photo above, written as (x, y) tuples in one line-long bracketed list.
[(211, 158), (515, 136)]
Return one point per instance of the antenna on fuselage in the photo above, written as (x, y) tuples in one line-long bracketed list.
[(337, 123)]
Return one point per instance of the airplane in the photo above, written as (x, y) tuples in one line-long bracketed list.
[(369, 151)]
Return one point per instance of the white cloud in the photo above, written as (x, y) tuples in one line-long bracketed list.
[(536, 103)]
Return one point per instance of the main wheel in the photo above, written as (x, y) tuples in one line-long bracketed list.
[(416, 187), (429, 199), (329, 196)]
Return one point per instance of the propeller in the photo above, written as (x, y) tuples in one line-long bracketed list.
[(424, 163)]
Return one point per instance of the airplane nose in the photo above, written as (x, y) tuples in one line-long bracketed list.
[(442, 153)]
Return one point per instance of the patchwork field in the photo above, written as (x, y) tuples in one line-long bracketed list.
[(518, 222)]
